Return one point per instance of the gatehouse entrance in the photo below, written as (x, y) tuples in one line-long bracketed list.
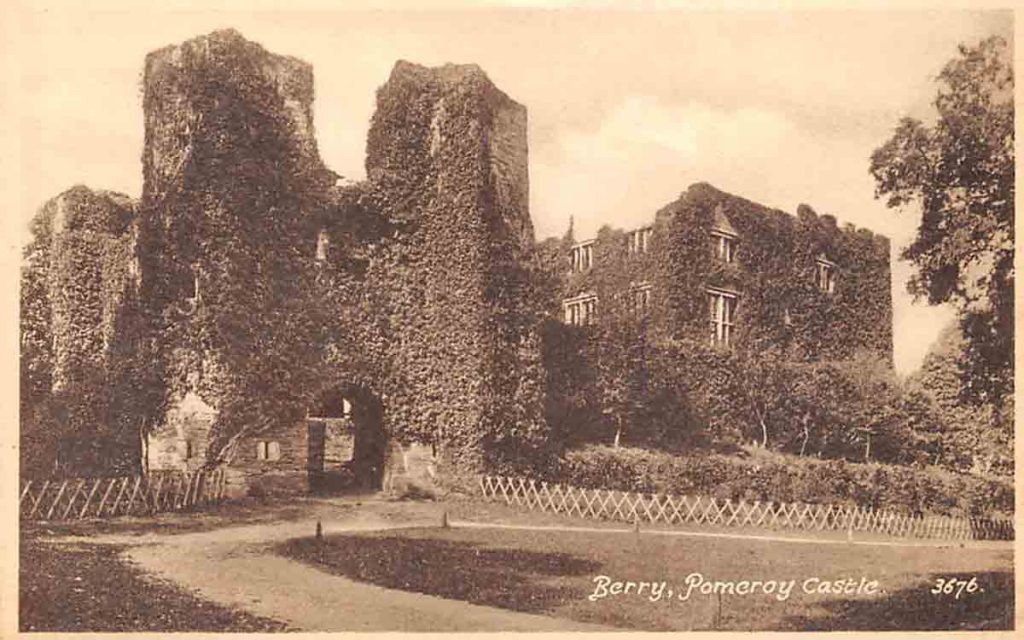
[(346, 441)]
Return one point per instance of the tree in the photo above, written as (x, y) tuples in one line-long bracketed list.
[(960, 171), (975, 437)]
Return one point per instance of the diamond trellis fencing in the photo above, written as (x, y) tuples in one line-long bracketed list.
[(79, 498), (603, 504)]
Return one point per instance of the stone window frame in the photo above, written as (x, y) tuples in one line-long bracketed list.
[(640, 298), (722, 305), (323, 245), (580, 310), (193, 297), (724, 245), (826, 273), (639, 240), (582, 255)]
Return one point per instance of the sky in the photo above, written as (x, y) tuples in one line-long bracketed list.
[(626, 108)]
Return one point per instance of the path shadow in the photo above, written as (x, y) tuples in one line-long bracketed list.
[(508, 578), (916, 608)]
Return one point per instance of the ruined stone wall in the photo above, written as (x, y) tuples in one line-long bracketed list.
[(446, 154), (84, 281), (283, 472), (182, 438), (424, 304), (232, 185)]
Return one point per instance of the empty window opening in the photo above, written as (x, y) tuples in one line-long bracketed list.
[(269, 450), (825, 275), (639, 240), (724, 245), (581, 310), (583, 256), (640, 298), (721, 312), (323, 245)]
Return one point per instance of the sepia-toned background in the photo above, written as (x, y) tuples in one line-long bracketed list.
[(626, 108)]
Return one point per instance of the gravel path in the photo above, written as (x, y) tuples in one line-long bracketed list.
[(236, 567)]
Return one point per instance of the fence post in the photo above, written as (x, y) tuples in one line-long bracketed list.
[(106, 494), (85, 507), (60, 493), (39, 499)]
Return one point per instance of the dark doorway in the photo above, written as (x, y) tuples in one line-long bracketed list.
[(346, 440)]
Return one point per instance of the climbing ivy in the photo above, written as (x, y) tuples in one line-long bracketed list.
[(232, 184), (654, 377), (426, 301), (78, 298), (465, 368)]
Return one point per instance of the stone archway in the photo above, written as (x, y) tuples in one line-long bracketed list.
[(347, 443)]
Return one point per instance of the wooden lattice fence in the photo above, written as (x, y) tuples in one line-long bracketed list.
[(627, 506), (79, 498)]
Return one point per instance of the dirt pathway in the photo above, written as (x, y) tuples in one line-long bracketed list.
[(236, 567)]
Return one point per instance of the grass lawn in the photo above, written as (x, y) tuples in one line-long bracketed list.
[(88, 587), (553, 573)]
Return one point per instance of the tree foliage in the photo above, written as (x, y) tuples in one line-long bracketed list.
[(960, 172), (972, 436)]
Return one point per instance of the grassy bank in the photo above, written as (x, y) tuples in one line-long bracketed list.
[(553, 573), (89, 587)]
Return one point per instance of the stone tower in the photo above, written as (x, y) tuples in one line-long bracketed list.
[(448, 151), (232, 178), (82, 276)]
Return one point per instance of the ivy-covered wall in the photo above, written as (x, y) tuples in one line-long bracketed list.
[(446, 160), (80, 336), (232, 188), (655, 376), (263, 279), (773, 272)]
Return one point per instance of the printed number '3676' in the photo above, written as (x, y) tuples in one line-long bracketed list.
[(955, 586)]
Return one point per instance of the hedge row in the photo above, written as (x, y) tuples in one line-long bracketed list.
[(779, 478)]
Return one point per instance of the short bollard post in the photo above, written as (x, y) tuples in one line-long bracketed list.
[(319, 530), (444, 520)]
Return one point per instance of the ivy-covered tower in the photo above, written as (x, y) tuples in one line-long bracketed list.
[(232, 180), (447, 152), (80, 386)]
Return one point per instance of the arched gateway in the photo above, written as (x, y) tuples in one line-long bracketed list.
[(346, 441)]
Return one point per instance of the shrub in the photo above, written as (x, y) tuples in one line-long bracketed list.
[(774, 477)]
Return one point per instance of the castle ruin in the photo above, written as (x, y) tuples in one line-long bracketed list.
[(255, 310)]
